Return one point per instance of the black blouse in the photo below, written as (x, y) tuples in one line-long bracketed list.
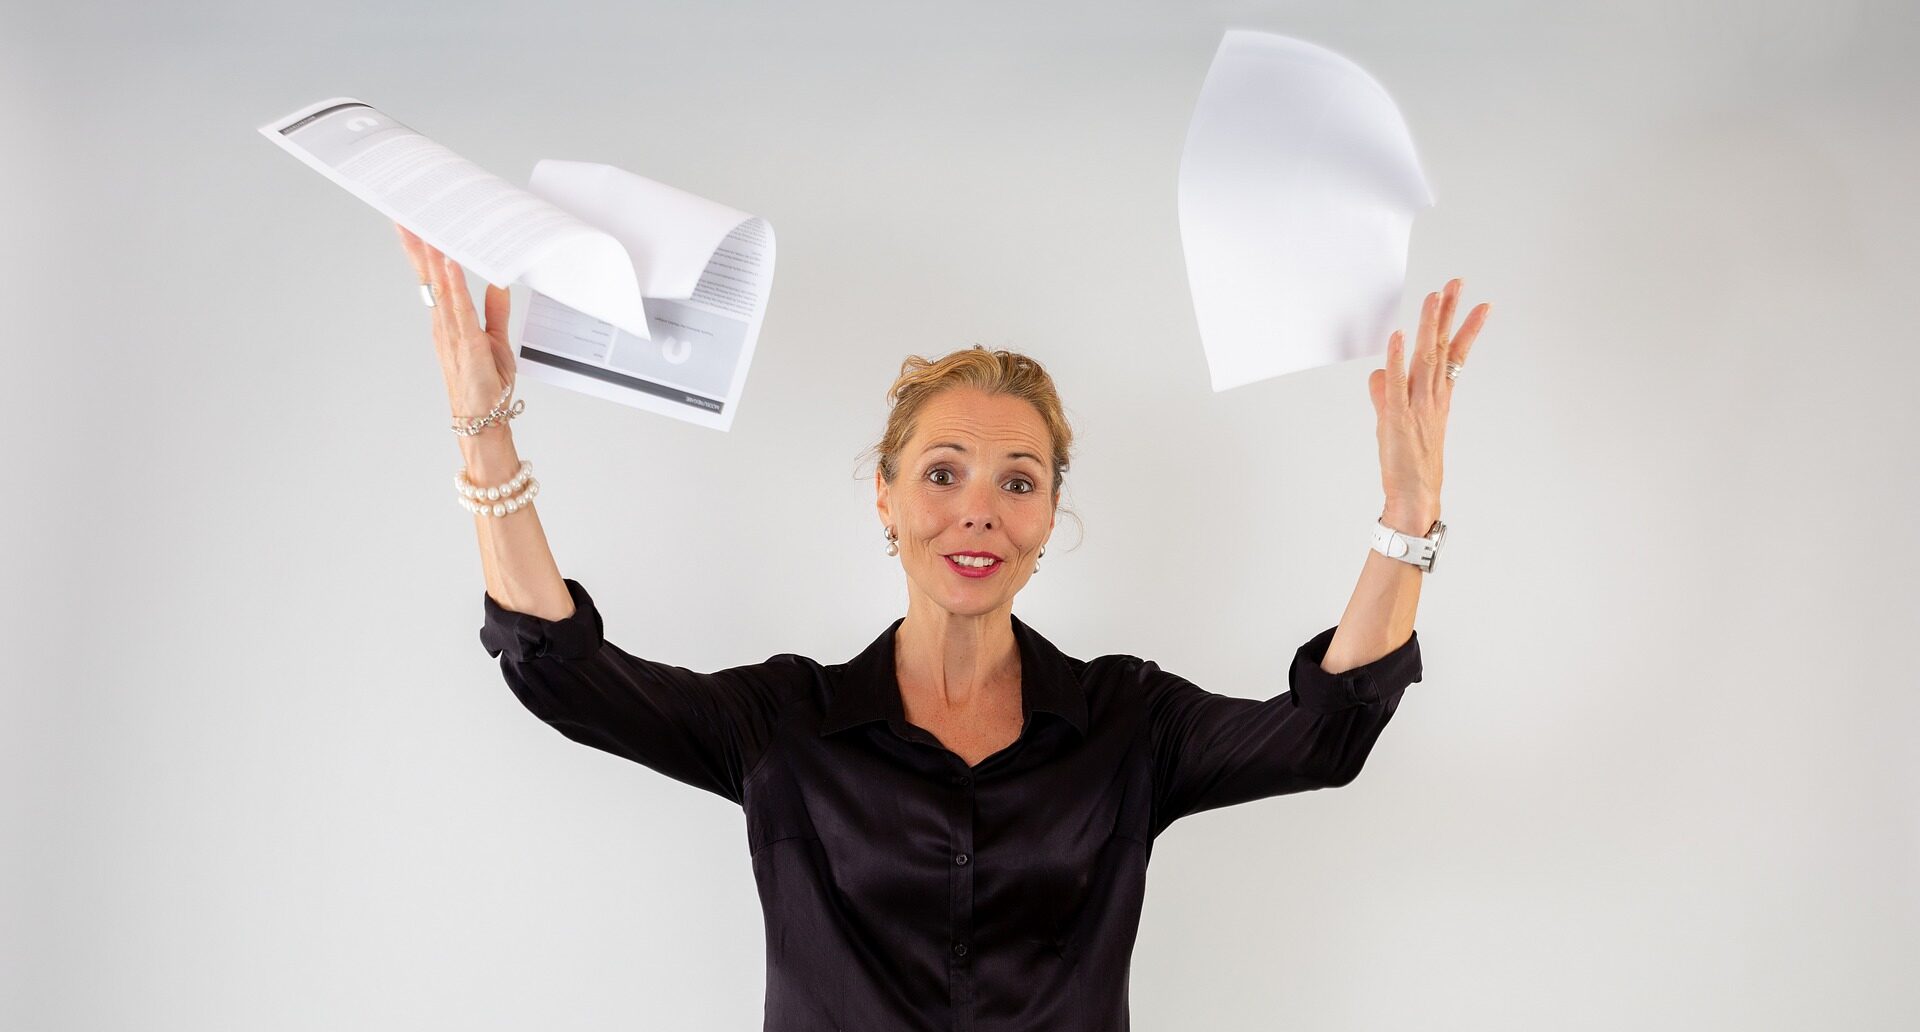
[(904, 890)]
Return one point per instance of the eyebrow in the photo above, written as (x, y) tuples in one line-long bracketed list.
[(962, 449)]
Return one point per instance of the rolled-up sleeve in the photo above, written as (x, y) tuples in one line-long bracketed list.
[(1212, 750), (704, 730)]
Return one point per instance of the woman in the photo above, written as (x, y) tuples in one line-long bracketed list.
[(950, 830)]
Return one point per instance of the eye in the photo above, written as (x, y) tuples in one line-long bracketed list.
[(1026, 485)]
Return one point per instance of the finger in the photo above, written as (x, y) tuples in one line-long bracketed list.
[(412, 245), (1420, 363), (499, 304), (465, 322), (1448, 297), (1469, 329), (1435, 350), (445, 333), (1396, 386), (435, 260), (423, 265), (499, 310)]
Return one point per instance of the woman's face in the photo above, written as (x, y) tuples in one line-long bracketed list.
[(991, 494)]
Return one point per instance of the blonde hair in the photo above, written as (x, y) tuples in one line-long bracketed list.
[(1000, 372)]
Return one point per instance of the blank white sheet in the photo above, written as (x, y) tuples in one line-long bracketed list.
[(1298, 188)]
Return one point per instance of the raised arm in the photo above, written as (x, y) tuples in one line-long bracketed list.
[(1411, 403), (705, 730), (478, 364)]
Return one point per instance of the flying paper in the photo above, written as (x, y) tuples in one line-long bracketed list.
[(642, 293), (1298, 188)]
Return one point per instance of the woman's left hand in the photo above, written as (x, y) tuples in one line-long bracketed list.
[(1411, 400)]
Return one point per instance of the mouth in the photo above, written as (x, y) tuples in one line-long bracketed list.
[(973, 564)]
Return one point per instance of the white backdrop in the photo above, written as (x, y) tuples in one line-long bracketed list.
[(260, 773)]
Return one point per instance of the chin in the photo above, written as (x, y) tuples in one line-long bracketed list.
[(961, 603), (976, 605)]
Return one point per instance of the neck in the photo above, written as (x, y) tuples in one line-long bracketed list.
[(955, 662)]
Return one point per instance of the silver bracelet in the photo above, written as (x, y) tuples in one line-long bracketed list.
[(500, 500), (499, 414)]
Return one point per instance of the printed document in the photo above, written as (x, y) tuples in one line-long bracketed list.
[(641, 293)]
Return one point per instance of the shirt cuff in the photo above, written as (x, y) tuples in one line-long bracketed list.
[(523, 636), (1317, 690)]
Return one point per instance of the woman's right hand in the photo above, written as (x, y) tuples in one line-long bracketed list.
[(478, 361)]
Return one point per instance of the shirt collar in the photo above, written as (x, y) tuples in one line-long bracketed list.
[(865, 688)]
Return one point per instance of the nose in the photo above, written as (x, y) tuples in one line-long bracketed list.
[(980, 506)]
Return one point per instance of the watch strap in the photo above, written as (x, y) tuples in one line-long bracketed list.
[(1408, 548)]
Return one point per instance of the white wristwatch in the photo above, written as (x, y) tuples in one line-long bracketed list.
[(1420, 551)]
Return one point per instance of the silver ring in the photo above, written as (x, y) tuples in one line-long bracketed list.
[(1453, 370), (428, 292)]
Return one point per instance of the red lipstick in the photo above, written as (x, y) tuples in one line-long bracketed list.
[(975, 572)]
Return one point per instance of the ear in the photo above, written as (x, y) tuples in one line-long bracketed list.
[(880, 499)]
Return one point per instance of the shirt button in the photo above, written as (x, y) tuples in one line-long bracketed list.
[(962, 779), (961, 859), (959, 949)]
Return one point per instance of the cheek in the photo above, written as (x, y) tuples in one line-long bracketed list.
[(926, 514)]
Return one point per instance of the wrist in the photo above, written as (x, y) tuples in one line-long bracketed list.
[(497, 415), (490, 456), (1412, 520), (470, 401)]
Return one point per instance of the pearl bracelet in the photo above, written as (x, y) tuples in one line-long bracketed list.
[(497, 501)]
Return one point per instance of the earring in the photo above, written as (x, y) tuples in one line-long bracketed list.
[(1036, 559), (893, 543)]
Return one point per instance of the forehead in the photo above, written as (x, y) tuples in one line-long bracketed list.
[(967, 414)]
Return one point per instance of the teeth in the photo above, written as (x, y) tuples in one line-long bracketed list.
[(978, 562)]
